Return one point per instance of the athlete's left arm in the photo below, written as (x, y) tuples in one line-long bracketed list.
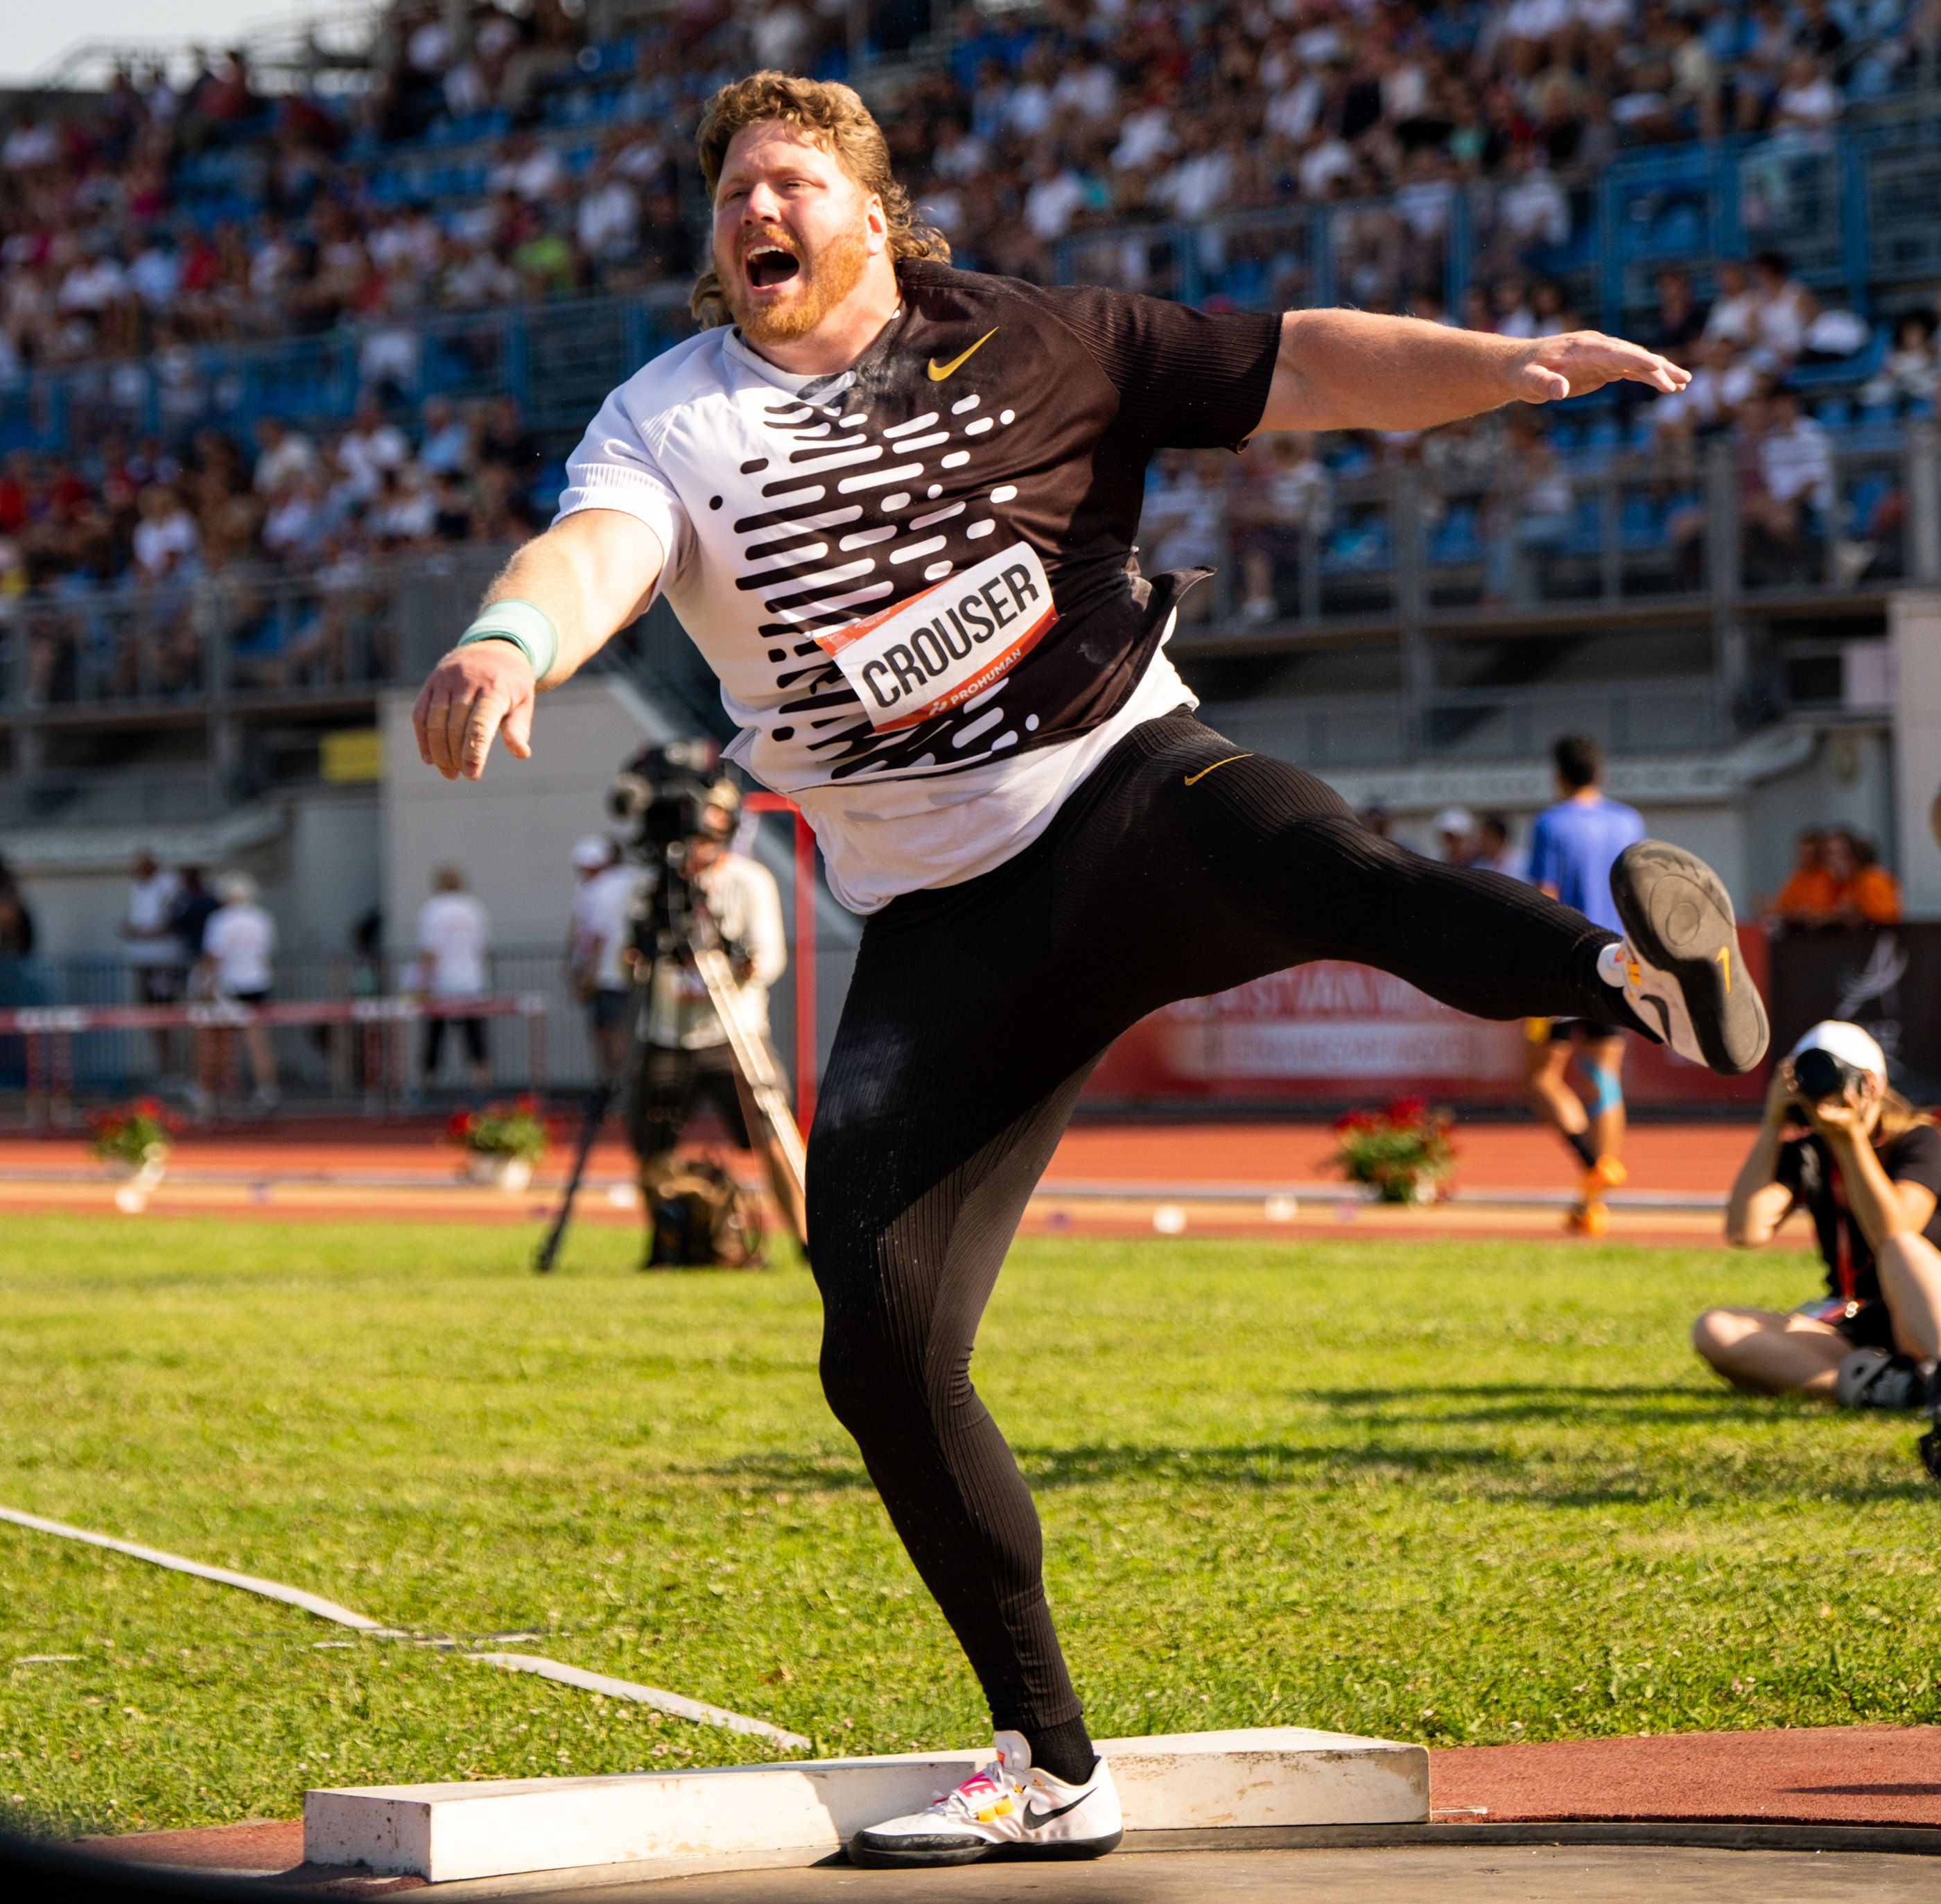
[(1354, 370)]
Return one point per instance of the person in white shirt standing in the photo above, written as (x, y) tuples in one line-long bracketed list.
[(686, 1060), (597, 946), (237, 945), (454, 952), (149, 944), (154, 953)]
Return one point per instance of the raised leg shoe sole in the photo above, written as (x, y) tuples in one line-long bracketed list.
[(1679, 918)]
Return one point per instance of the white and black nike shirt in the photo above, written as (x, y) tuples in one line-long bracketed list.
[(915, 579)]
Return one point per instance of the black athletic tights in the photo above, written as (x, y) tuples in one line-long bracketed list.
[(1182, 866)]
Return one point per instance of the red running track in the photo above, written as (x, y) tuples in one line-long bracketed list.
[(1699, 1157)]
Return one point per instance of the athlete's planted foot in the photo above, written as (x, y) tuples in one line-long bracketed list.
[(1678, 967), (1010, 1806)]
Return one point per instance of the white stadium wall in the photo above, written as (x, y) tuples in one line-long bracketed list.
[(511, 831)]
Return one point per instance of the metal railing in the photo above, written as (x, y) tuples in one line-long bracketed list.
[(1677, 525), (1450, 726), (328, 1063), (228, 641), (1404, 560), (1598, 529)]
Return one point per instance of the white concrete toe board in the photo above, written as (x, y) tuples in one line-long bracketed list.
[(493, 1827), (1267, 1775), (1272, 1775)]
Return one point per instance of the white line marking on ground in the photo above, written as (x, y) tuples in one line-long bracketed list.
[(269, 1589), (666, 1702), (672, 1703)]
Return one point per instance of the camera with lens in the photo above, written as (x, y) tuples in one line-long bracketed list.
[(669, 797), (1818, 1075), (663, 794)]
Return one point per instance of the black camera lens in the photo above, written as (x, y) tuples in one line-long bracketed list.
[(1820, 1074)]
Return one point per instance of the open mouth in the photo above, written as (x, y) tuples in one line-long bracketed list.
[(769, 265)]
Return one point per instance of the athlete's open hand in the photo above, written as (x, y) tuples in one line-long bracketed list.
[(480, 689), (1580, 361)]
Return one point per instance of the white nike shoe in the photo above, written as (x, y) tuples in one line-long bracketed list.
[(1678, 965), (1006, 1807)]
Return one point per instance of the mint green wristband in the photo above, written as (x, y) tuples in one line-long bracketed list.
[(527, 626)]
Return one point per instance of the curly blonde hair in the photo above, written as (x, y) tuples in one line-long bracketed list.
[(830, 115)]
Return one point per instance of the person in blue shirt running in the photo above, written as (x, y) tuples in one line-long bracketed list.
[(1571, 851)]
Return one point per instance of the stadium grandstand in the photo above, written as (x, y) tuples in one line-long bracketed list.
[(295, 336)]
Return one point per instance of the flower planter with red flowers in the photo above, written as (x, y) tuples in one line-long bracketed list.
[(501, 1142), (1403, 1154), (135, 1140)]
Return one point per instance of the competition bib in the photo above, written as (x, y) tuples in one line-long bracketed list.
[(935, 651)]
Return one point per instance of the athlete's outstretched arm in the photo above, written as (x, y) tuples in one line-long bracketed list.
[(1353, 370), (589, 574)]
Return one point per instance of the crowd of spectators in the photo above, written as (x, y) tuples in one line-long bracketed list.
[(191, 206), (1497, 490), (190, 539), (1039, 122), (1837, 880), (161, 514)]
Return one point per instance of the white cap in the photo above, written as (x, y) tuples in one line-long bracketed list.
[(592, 852), (1848, 1043), (1455, 819)]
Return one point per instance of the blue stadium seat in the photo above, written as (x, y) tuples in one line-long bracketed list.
[(1457, 538), (1641, 521)]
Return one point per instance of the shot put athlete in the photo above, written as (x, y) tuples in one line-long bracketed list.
[(895, 505)]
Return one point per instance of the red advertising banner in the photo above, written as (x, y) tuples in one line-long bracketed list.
[(1332, 1033)]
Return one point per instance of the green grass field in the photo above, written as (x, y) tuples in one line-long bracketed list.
[(1449, 1493)]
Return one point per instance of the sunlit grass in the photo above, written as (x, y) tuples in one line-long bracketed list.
[(1450, 1491)]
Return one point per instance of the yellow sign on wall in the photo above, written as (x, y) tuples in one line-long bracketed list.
[(351, 754)]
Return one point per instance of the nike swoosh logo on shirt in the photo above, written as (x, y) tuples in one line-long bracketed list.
[(1034, 1818), (1193, 779), (938, 371)]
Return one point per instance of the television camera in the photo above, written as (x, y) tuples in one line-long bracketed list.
[(669, 798)]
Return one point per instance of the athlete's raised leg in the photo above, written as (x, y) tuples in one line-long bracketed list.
[(1182, 867)]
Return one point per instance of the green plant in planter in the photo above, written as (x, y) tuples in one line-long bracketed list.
[(1404, 1153), (517, 1128), (133, 1134)]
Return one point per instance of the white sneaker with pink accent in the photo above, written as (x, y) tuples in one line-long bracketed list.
[(1007, 1806)]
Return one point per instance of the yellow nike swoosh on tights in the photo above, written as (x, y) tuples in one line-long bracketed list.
[(1192, 778), (938, 371)]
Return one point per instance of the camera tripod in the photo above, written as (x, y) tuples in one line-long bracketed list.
[(764, 1105)]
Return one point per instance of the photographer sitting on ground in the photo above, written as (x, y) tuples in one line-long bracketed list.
[(1867, 1167)]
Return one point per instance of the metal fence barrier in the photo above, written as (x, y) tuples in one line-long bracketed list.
[(363, 1043)]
